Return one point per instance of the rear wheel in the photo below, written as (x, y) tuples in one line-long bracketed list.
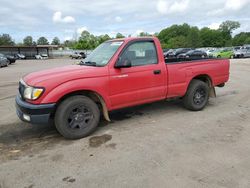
[(197, 95), (77, 117)]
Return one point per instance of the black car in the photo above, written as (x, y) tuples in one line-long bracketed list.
[(11, 58), (83, 55), (175, 53), (193, 54), (169, 53)]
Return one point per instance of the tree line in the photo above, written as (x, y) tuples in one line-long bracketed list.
[(175, 36), (188, 36)]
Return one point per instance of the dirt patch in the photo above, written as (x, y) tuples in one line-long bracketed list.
[(57, 158), (26, 141), (69, 179), (112, 146), (97, 141)]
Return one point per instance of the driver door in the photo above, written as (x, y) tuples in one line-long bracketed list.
[(143, 81)]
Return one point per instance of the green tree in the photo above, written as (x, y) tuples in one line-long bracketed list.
[(180, 36), (227, 28), (241, 39), (87, 41), (211, 37), (247, 41), (103, 38), (69, 43), (5, 39), (56, 41), (28, 41), (145, 34), (42, 41), (119, 35), (193, 38), (177, 42)]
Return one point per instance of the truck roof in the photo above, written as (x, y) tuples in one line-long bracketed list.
[(130, 39)]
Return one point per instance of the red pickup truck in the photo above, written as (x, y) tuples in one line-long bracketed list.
[(118, 74)]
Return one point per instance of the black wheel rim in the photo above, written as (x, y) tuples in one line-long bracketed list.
[(199, 96), (80, 117)]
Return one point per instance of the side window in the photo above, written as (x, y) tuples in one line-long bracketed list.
[(141, 53)]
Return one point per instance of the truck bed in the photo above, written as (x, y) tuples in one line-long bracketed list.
[(181, 72)]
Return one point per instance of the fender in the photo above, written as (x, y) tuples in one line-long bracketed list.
[(95, 85)]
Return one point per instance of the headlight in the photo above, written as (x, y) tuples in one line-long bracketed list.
[(32, 93)]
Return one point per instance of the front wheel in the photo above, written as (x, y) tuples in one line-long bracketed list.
[(197, 95), (77, 117)]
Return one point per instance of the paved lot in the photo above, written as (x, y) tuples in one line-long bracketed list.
[(154, 145)]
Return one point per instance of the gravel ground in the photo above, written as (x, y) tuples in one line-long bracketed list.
[(154, 145)]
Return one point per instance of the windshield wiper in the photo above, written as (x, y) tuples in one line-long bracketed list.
[(88, 63)]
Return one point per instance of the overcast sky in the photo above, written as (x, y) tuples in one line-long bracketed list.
[(63, 18)]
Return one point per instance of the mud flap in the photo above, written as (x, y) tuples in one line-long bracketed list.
[(212, 92), (104, 109)]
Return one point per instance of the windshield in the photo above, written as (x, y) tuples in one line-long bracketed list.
[(102, 54)]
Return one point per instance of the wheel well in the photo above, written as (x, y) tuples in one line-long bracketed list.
[(92, 95), (204, 78), (208, 81)]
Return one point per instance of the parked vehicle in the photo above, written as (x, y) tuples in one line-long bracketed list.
[(224, 53), (3, 61), (235, 48), (169, 53), (11, 58), (77, 55), (118, 74), (193, 54), (41, 56), (242, 53), (210, 52), (178, 51), (19, 56)]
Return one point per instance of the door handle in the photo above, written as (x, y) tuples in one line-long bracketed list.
[(157, 71)]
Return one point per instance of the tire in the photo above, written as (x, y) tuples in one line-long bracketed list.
[(197, 96), (218, 56), (77, 117)]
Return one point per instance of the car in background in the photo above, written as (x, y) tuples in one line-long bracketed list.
[(169, 53), (11, 58), (3, 61), (193, 55), (210, 52), (19, 56), (176, 52), (242, 53), (77, 55), (41, 56), (227, 53)]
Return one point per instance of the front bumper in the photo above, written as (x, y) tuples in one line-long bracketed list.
[(37, 114)]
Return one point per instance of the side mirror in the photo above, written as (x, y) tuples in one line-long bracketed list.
[(123, 63)]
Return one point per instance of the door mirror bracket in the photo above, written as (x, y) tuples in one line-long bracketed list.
[(123, 63)]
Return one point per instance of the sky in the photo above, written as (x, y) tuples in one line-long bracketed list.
[(68, 18)]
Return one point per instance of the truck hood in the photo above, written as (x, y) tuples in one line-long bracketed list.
[(57, 76)]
